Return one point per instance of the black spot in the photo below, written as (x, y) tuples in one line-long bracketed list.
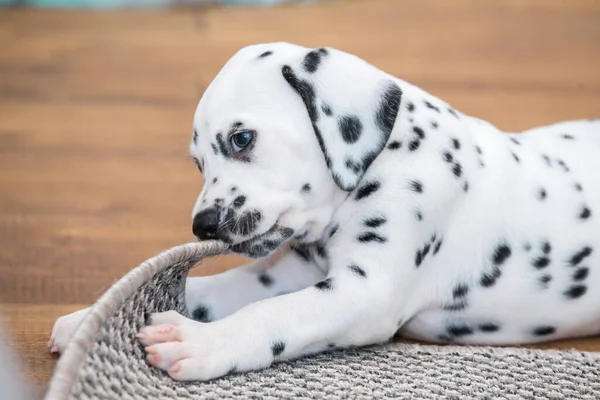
[(367, 237), (326, 284), (419, 132), (333, 230), (581, 274), (374, 222), (437, 247), (367, 189), (215, 180), (515, 141), (501, 254), (222, 146), (201, 314), (455, 143), (568, 137), (448, 157), (545, 279), (466, 187), (265, 279), (461, 290), (456, 306), (351, 128), (415, 186), (214, 148), (385, 118), (195, 137), (489, 327), (418, 258), (457, 169), (353, 166), (357, 270), (326, 110), (578, 187), (410, 106), (478, 149), (277, 348), (313, 59), (219, 202), (517, 159), (578, 257), (547, 159), (546, 247), (265, 54), (585, 213), (575, 291), (233, 189), (489, 279), (563, 165), (306, 188), (544, 330), (459, 330), (541, 195), (419, 216), (541, 262), (302, 251), (431, 106), (414, 144), (453, 112), (320, 247), (426, 249), (395, 145)]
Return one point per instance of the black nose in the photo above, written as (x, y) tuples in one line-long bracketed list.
[(205, 224)]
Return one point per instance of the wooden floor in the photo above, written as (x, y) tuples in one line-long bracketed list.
[(96, 114)]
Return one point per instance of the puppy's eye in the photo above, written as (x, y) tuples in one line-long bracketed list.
[(241, 140)]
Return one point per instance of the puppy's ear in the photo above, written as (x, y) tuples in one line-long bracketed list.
[(352, 106)]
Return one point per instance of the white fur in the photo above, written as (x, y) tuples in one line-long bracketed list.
[(502, 205)]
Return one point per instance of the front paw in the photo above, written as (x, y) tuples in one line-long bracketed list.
[(63, 330), (190, 350)]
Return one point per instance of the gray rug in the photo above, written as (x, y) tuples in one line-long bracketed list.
[(105, 361)]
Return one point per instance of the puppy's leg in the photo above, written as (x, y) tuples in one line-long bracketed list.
[(214, 297), (344, 309), (211, 298)]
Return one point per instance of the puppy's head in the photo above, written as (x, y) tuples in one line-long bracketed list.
[(281, 136)]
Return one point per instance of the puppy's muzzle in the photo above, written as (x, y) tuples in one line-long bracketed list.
[(205, 224)]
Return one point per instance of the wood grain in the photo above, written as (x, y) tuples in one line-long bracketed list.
[(96, 112)]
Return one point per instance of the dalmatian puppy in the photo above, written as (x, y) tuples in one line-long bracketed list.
[(374, 208)]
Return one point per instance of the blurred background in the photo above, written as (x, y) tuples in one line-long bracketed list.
[(97, 99)]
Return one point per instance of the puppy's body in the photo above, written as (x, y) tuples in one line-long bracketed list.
[(375, 207)]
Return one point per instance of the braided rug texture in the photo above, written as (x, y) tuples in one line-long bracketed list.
[(105, 361)]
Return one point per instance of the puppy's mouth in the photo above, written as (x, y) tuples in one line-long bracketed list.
[(262, 244)]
